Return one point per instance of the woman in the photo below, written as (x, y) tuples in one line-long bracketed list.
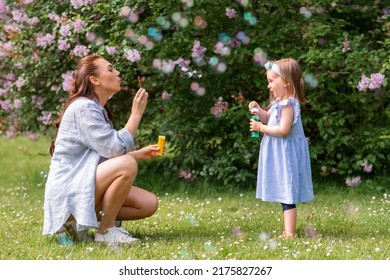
[(93, 166)]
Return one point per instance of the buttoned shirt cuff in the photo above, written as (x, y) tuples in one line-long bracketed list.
[(127, 139)]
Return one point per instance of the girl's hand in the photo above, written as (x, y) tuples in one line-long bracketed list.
[(145, 153), (254, 107), (139, 102), (255, 126)]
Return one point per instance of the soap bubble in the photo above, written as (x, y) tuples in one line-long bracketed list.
[(311, 232), (186, 72), (350, 209), (263, 236), (65, 240), (238, 232), (192, 221), (272, 244), (197, 74), (210, 247)]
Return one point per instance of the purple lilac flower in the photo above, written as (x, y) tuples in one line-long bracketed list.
[(80, 51), (10, 77), (185, 174), (6, 49), (375, 81), (54, 17), (166, 95), (63, 45), (77, 3), (38, 101), (17, 104), (10, 133), (366, 167), (234, 43), (45, 40), (45, 118), (181, 62), (32, 135), (65, 30), (20, 82), (19, 16), (5, 105), (33, 21), (12, 28), (363, 84), (197, 50), (345, 45), (68, 79), (230, 13), (352, 182), (111, 50), (133, 55), (3, 9), (78, 25)]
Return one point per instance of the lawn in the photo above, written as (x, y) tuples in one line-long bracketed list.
[(197, 221)]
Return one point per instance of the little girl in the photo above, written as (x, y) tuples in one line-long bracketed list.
[(284, 171)]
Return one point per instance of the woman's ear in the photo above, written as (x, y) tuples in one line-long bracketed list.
[(94, 81)]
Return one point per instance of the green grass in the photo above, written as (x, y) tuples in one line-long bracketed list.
[(197, 221)]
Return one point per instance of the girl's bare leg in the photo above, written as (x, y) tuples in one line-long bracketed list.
[(290, 222)]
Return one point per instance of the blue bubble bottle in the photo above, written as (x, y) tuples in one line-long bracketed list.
[(255, 134)]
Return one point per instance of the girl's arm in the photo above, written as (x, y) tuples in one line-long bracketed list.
[(281, 130)]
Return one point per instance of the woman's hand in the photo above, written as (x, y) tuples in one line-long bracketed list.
[(139, 102), (138, 108), (145, 153)]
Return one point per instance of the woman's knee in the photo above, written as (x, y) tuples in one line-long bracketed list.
[(128, 166), (151, 205)]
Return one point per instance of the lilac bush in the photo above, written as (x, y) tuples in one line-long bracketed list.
[(202, 62)]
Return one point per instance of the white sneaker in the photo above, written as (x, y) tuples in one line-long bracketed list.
[(116, 235)]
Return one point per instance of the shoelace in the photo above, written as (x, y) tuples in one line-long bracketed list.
[(122, 230)]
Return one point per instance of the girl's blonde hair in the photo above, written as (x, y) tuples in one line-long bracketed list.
[(292, 75)]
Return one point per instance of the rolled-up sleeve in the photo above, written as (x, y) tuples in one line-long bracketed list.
[(98, 134)]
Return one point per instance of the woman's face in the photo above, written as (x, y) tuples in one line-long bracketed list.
[(276, 84), (109, 80)]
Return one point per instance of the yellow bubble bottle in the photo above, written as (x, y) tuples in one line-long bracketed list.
[(160, 144)]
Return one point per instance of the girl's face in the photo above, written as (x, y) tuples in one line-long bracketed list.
[(109, 80), (276, 84)]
